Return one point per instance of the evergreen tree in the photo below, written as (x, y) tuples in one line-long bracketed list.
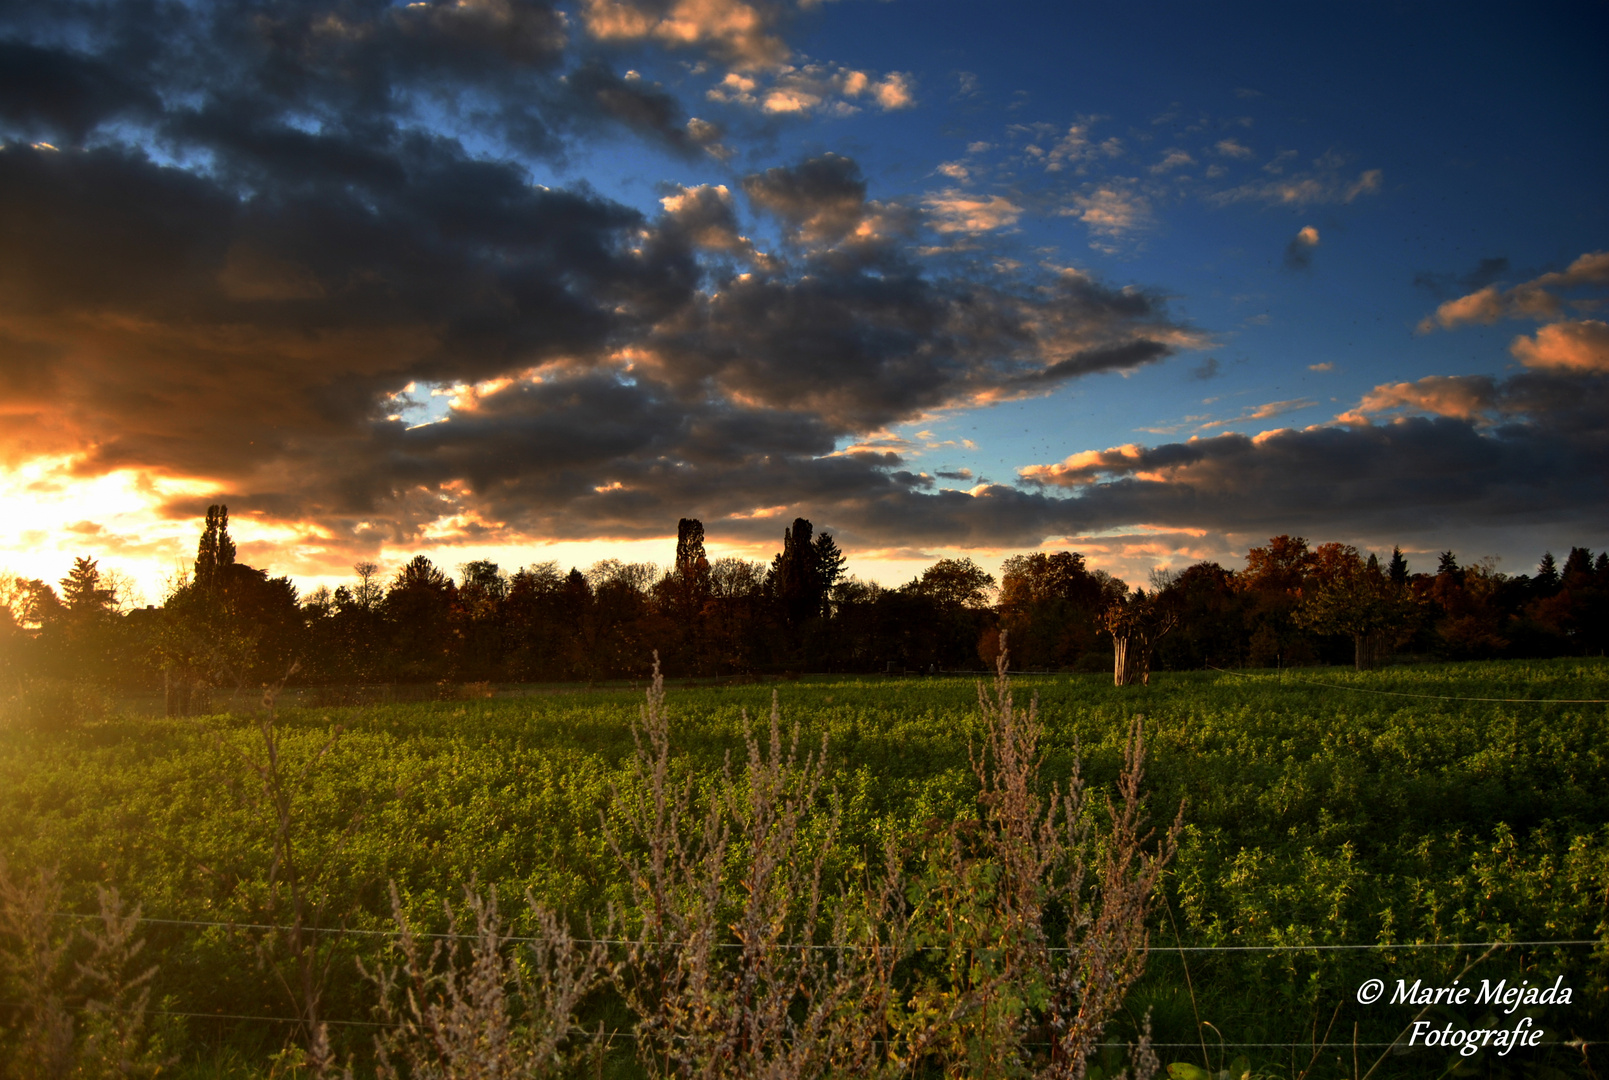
[(1447, 563), (830, 563), (1398, 568), (1547, 575), (83, 592), (1577, 570)]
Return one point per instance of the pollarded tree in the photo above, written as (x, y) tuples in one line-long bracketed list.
[(1137, 622)]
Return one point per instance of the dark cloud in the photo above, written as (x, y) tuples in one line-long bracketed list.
[(262, 224), (1207, 369), (819, 200), (1541, 457), (1442, 285), (51, 93)]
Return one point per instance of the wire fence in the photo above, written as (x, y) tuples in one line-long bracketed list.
[(516, 939)]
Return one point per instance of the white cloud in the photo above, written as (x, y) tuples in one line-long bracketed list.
[(1325, 184), (954, 211), (1110, 212), (1174, 159)]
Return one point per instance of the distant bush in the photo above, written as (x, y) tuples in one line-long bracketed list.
[(44, 704)]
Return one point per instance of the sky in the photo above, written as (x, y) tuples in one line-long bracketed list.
[(524, 280)]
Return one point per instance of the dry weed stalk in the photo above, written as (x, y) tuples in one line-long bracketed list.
[(737, 970), (114, 996), (291, 883), (485, 1015), (117, 1043), (731, 973), (1037, 848), (41, 1047)]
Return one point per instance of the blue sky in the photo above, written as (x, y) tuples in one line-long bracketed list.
[(1153, 282)]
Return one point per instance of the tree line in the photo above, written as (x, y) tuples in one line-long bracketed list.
[(227, 624)]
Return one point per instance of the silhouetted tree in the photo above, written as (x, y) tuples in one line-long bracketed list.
[(1212, 624), (1050, 604), (1274, 578), (1546, 582), (215, 553), (692, 568), (955, 583), (419, 607), (534, 624), (682, 596), (830, 563), (482, 588), (795, 577), (1398, 569), (77, 629)]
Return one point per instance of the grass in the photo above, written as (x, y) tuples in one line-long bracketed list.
[(1315, 816)]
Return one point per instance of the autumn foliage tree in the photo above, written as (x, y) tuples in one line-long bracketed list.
[(1356, 598)]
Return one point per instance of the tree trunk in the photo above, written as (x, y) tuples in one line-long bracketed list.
[(1131, 660), (1364, 647)]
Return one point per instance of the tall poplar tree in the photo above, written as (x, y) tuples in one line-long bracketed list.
[(215, 554)]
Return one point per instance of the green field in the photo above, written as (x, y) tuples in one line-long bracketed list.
[(1315, 816)]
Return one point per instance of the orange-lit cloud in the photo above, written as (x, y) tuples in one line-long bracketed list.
[(1534, 299), (1567, 346), (1266, 411), (1466, 397), (739, 32), (831, 89), (954, 211)]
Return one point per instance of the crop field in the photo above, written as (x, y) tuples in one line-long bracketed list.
[(1338, 828)]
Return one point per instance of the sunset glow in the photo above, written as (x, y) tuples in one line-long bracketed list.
[(520, 282)]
